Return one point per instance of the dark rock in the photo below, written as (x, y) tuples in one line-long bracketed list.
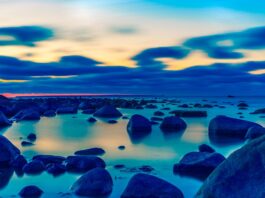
[(8, 152), (4, 122), (19, 162), (222, 126), (32, 137), (151, 106), (182, 113), (147, 186), (240, 175), (30, 192), (156, 119), (121, 147), (242, 105), (198, 164), (112, 121), (107, 111), (34, 167), (184, 106), (255, 132), (49, 159), (91, 120), (81, 164), (259, 111), (88, 111), (125, 117), (67, 110), (158, 113), (55, 169), (206, 148), (91, 151), (173, 123), (119, 166), (95, 183), (49, 113), (28, 115), (146, 168), (139, 126), (26, 143)]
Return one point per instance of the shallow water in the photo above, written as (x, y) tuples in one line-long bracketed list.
[(64, 134)]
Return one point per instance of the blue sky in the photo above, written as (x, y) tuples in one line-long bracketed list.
[(190, 47)]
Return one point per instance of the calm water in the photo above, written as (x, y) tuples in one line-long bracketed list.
[(64, 134)]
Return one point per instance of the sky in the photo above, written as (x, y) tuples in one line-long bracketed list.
[(157, 47)]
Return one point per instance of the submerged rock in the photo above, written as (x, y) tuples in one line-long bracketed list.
[(34, 167), (259, 111), (159, 113), (30, 192), (146, 186), (91, 151), (55, 169), (198, 164), (91, 120), (26, 143), (32, 137), (206, 148), (240, 175), (4, 122), (49, 159), (112, 121), (255, 132), (107, 111), (173, 123), (19, 162), (95, 183), (81, 164), (8, 152), (138, 126), (223, 126), (183, 113)]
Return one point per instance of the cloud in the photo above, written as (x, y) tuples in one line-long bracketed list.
[(149, 57), (24, 35), (225, 46)]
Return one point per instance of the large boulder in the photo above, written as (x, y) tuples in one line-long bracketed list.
[(49, 159), (223, 126), (198, 164), (146, 186), (30, 192), (95, 183), (8, 152), (91, 151), (27, 114), (107, 111), (34, 167), (240, 175), (82, 164), (255, 132), (139, 126), (4, 122), (173, 123)]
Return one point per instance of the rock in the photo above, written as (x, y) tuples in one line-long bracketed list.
[(151, 106), (189, 114), (255, 132), (242, 105), (8, 152), (198, 164), (49, 113), (95, 183), (30, 192), (121, 147), (67, 110), (88, 111), (91, 151), (28, 115), (206, 148), (139, 126), (146, 186), (4, 122), (81, 164), (55, 169), (223, 126), (158, 113), (240, 175), (34, 167), (32, 137), (26, 143), (19, 162), (173, 124), (49, 159), (91, 120), (112, 121), (119, 166), (107, 111), (156, 119), (259, 111)]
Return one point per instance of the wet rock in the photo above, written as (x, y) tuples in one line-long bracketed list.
[(4, 122), (159, 113), (173, 124), (31, 192), (55, 169), (88, 111), (107, 111), (49, 159), (223, 126), (125, 117), (146, 186), (95, 183), (81, 164), (19, 162), (119, 166), (150, 106), (182, 113), (183, 106), (8, 152), (240, 175), (34, 167), (91, 151), (198, 164), (259, 111), (28, 115), (67, 110), (139, 126), (122, 147), (26, 143), (112, 121), (255, 132), (49, 113), (32, 137), (5, 175), (242, 105), (206, 148), (91, 120)]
